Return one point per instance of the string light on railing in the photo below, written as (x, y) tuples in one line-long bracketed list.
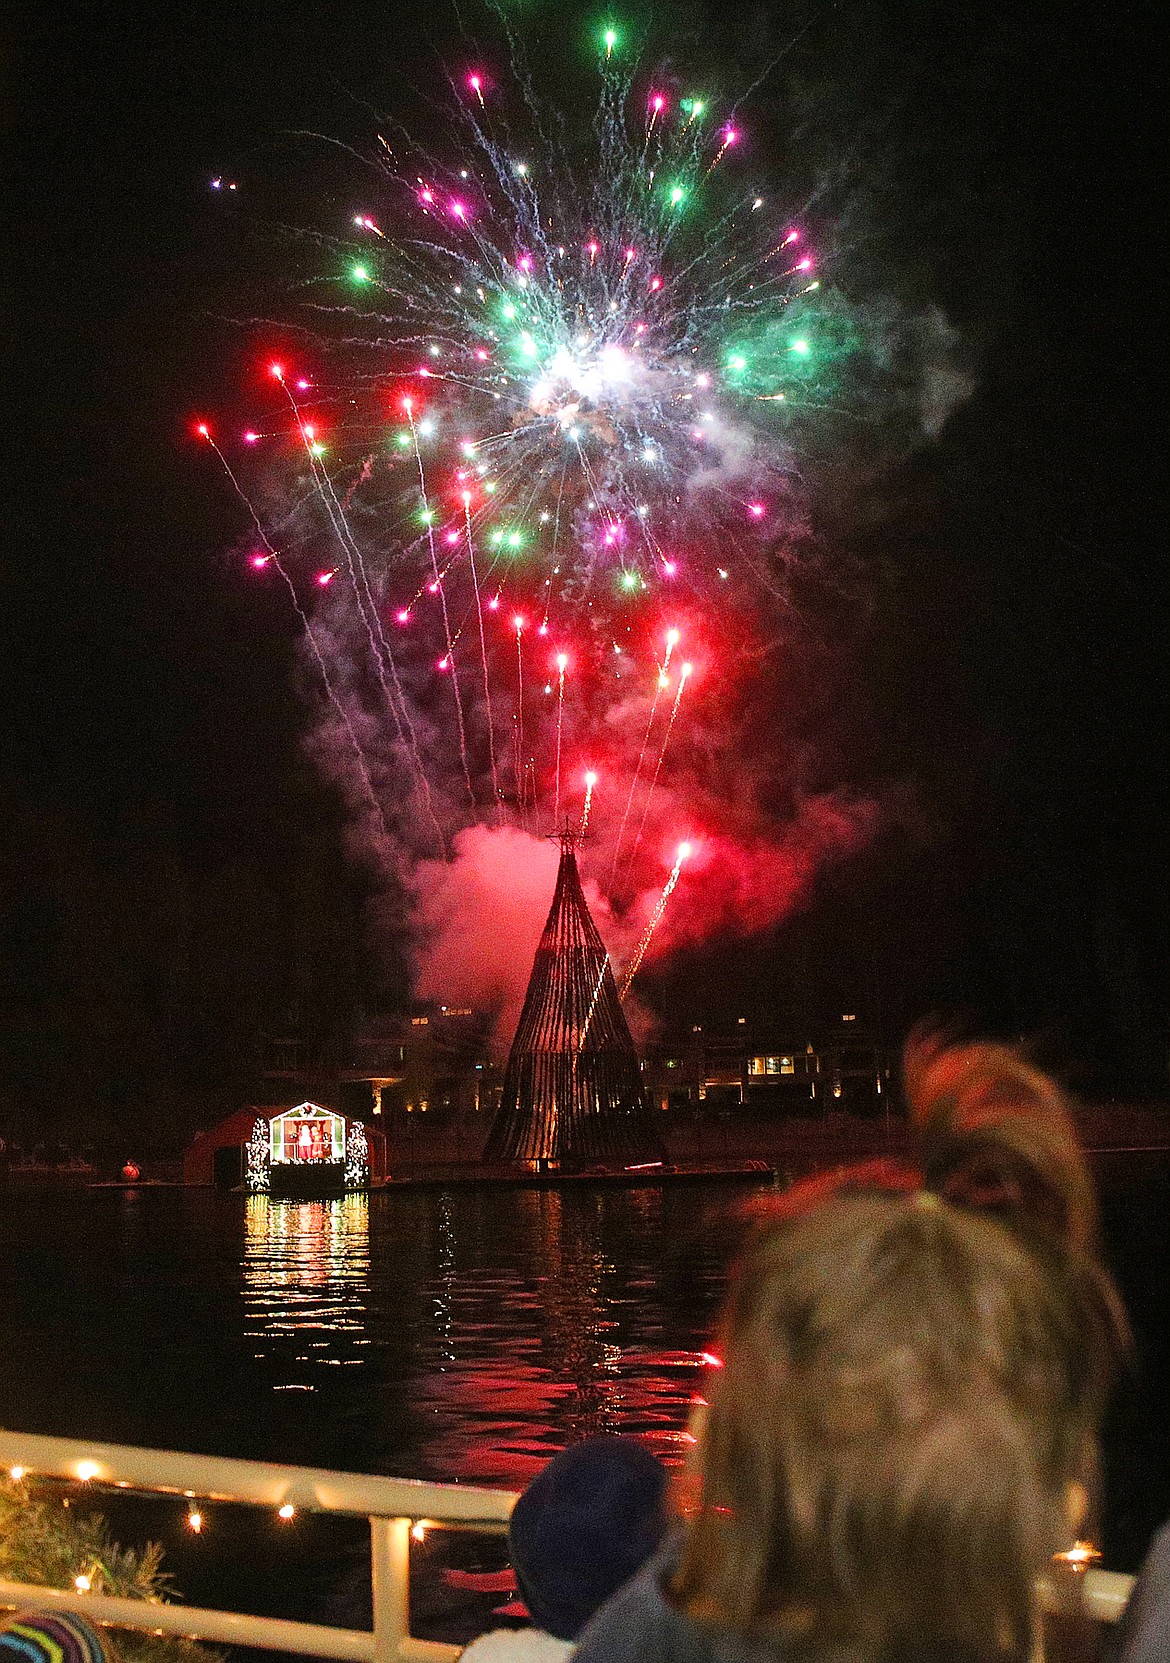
[(82, 1583), (288, 1511), (87, 1470), (17, 1473), (195, 1521), (418, 1531), (1078, 1557)]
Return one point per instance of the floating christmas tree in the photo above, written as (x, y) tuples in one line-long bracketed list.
[(573, 1092)]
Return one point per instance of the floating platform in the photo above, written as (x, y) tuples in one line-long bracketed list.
[(135, 1184), (649, 1175)]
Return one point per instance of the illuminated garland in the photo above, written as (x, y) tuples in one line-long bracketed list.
[(357, 1158), (55, 1540), (259, 1175)]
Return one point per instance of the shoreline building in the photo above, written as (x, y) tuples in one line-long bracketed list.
[(573, 1093)]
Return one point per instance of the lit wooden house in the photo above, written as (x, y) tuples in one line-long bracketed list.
[(302, 1151)]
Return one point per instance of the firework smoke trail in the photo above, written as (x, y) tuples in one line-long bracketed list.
[(632, 968), (556, 539), (682, 681), (518, 736), (487, 685), (367, 607), (585, 1026), (273, 558), (428, 521), (562, 666), (590, 782), (672, 637)]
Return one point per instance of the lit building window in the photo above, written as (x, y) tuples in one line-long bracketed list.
[(787, 1066), (306, 1133), (773, 1065), (757, 1065)]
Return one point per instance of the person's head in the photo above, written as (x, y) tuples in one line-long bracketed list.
[(915, 1360), (588, 1521)]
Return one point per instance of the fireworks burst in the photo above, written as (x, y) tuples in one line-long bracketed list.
[(544, 427), (592, 359)]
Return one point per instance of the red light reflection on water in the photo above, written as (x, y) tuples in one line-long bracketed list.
[(477, 1332)]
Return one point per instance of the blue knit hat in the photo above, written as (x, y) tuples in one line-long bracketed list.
[(583, 1527), (50, 1637)]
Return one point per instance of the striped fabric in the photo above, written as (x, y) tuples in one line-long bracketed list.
[(50, 1637)]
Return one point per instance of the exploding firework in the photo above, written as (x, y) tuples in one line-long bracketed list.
[(542, 433), (593, 358)]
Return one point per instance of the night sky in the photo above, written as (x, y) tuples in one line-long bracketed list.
[(174, 881)]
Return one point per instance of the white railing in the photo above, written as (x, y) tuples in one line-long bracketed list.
[(394, 1506), (1103, 1597)]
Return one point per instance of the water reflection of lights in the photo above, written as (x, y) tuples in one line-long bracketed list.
[(541, 1336), (495, 1326), (306, 1283), (445, 1282)]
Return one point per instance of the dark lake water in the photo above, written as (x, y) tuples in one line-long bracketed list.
[(436, 1334)]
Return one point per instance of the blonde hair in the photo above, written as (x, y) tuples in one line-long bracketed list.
[(915, 1363)]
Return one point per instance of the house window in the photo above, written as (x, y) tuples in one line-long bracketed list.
[(305, 1134), (773, 1065), (757, 1066), (787, 1066)]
